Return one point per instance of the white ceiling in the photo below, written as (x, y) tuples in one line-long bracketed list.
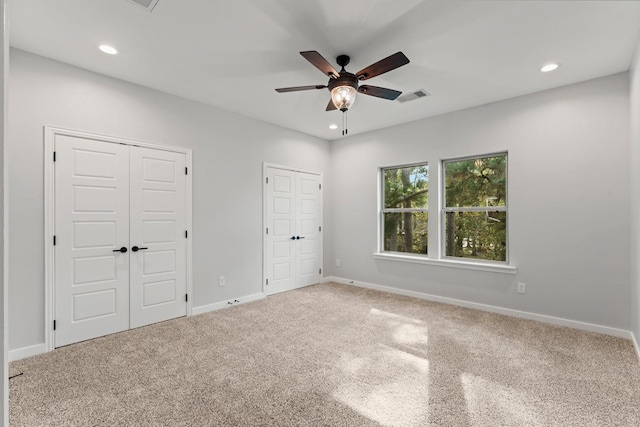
[(232, 54)]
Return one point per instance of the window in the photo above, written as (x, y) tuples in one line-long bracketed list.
[(475, 208), (404, 208), (471, 198)]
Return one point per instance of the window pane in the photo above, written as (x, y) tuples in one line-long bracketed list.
[(476, 182), (480, 235), (406, 187), (405, 232)]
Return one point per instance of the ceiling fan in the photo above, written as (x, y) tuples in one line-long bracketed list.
[(344, 85)]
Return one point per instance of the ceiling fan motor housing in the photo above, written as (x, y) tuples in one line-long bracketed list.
[(345, 79)]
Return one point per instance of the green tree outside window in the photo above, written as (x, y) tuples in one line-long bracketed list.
[(405, 217), (475, 212)]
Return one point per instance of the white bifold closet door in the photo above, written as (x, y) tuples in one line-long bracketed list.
[(120, 251), (294, 223)]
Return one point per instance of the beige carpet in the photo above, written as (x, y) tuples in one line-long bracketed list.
[(334, 355)]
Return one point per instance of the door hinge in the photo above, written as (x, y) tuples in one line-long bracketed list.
[(54, 325), (267, 230), (319, 228), (54, 156), (320, 271), (186, 297), (267, 180), (267, 282), (186, 234), (186, 171), (319, 186), (54, 240)]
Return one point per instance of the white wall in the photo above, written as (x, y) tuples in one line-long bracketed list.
[(228, 151), (568, 201), (634, 196)]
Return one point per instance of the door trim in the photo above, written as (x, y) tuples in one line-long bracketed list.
[(50, 133), (265, 166)]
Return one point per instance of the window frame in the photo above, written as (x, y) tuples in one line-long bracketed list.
[(437, 241), (382, 210), (444, 210)]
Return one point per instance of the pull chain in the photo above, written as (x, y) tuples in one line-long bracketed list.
[(345, 131)]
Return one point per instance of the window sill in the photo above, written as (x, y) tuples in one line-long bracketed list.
[(466, 265)]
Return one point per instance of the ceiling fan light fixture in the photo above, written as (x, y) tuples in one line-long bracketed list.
[(343, 97)]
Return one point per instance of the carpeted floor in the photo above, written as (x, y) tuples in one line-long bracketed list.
[(334, 355)]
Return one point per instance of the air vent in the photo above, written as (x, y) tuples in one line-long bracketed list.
[(416, 94), (145, 4)]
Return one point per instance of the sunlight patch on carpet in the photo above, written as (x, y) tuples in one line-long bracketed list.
[(407, 330), (411, 335), (389, 386), (489, 401), (396, 317)]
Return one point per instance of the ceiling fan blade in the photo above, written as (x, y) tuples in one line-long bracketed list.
[(320, 63), (380, 92), (331, 106), (297, 88), (389, 63)]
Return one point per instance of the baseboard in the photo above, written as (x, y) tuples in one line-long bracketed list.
[(225, 304), (23, 353), (621, 333)]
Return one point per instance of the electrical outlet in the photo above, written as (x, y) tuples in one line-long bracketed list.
[(221, 281), (522, 288), (338, 263)]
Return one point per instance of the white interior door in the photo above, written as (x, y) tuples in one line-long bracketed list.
[(308, 236), (120, 237), (158, 224), (293, 243), (280, 230), (92, 224)]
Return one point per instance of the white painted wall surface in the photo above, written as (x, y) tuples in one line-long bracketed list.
[(634, 195), (568, 201), (228, 151)]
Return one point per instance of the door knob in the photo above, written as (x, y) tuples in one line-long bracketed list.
[(122, 249), (136, 249), (293, 237), (298, 237)]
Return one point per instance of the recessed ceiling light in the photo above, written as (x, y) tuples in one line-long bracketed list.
[(110, 50), (549, 67), (333, 126)]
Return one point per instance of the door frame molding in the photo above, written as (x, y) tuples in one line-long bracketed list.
[(265, 166), (50, 132)]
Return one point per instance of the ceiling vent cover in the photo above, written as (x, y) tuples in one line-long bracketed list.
[(416, 94), (145, 4)]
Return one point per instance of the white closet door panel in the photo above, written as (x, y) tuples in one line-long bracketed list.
[(308, 214), (281, 224), (92, 220), (294, 243), (158, 224)]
